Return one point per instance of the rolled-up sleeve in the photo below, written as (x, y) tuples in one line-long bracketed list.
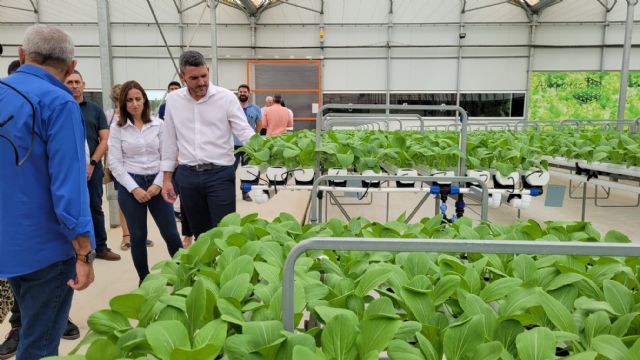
[(168, 142), (67, 170)]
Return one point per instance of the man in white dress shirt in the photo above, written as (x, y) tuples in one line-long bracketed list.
[(199, 121)]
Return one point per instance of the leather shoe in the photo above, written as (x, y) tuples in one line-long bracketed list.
[(108, 255), (246, 197), (10, 345), (71, 332)]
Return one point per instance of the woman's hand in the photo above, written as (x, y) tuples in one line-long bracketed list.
[(141, 195)]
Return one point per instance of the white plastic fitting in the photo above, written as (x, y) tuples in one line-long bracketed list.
[(535, 177), (406, 172), (495, 200), (277, 173), (259, 196), (444, 173), (305, 175), (483, 175), (248, 173), (509, 180)]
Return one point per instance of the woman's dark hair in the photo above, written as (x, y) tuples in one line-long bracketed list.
[(124, 114)]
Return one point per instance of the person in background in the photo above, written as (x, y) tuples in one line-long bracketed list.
[(134, 157), (13, 66), (254, 118), (290, 114), (199, 122), (174, 85), (97, 131), (276, 118), (113, 115), (268, 102), (49, 253)]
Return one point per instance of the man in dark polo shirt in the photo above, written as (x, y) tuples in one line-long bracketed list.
[(97, 130)]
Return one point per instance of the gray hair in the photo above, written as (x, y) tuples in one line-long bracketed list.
[(48, 45), (191, 58)]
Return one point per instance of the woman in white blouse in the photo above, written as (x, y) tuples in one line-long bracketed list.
[(134, 158)]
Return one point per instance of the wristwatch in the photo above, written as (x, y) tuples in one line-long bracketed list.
[(87, 258), (93, 162)]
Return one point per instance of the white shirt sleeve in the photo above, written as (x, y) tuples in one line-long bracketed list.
[(168, 143), (116, 159), (159, 179), (238, 121)]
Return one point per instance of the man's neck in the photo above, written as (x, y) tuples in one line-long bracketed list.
[(79, 99), (195, 97), (245, 104), (53, 71)]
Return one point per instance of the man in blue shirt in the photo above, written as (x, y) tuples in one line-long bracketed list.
[(97, 133), (174, 85), (254, 118), (46, 233)]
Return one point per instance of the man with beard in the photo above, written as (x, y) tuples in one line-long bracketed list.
[(199, 121), (254, 118)]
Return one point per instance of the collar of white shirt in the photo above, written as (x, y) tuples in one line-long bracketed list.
[(154, 122), (211, 90)]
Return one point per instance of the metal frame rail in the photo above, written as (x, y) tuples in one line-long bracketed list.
[(346, 119), (463, 119), (438, 245), (614, 172), (315, 213)]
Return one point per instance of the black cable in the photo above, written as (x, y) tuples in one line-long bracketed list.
[(33, 127)]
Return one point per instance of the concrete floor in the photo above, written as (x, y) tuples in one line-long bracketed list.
[(115, 278)]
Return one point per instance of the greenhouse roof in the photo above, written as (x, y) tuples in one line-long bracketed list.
[(251, 7)]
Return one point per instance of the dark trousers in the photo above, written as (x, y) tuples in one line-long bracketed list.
[(184, 221), (14, 320), (136, 215), (208, 195), (240, 159), (45, 301), (95, 203)]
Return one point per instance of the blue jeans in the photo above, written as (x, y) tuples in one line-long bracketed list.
[(136, 215), (208, 195), (95, 203), (45, 300)]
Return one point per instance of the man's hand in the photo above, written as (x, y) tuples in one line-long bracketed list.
[(90, 171), (84, 276), (141, 195), (153, 190), (168, 194)]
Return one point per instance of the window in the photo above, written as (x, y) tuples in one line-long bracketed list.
[(354, 98), (494, 105)]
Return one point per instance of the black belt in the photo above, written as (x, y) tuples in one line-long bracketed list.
[(204, 167)]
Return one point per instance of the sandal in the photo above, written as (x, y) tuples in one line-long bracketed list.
[(125, 245), (187, 241)]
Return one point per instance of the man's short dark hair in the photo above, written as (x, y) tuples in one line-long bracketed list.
[(277, 98), (245, 86), (13, 66), (174, 83), (191, 58), (78, 73)]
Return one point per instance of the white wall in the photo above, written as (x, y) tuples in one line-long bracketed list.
[(424, 40)]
